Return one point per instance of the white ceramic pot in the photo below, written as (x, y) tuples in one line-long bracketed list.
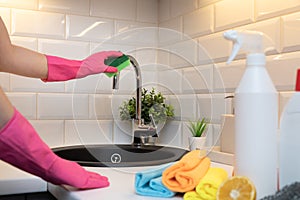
[(197, 142)]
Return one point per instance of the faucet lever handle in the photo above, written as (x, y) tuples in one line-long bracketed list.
[(153, 121)]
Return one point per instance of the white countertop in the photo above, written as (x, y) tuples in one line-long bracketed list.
[(15, 181), (121, 186)]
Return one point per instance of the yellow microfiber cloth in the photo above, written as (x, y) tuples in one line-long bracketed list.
[(184, 175), (192, 195), (208, 185)]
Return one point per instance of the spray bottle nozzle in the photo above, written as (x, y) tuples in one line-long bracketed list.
[(251, 41), (233, 36)]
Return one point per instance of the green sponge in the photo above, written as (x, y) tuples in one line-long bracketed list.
[(118, 62)]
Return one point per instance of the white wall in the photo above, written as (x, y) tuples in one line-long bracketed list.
[(200, 25), (76, 111), (187, 51)]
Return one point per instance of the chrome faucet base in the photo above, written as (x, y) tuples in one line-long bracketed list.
[(148, 140), (143, 134)]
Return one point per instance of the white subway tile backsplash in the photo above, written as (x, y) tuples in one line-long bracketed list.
[(135, 33), (188, 106), (147, 11), (5, 16), (127, 81), (227, 76), (25, 84), (93, 84), (199, 22), (273, 8), (211, 106), (272, 30), (171, 134), (170, 81), (24, 4), (100, 107), (203, 3), (197, 79), (215, 135), (147, 58), (164, 10), (291, 32), (174, 101), (149, 77), (38, 24), (122, 132), (26, 42), (51, 131), (213, 48), (117, 9), (104, 85), (185, 135), (162, 57), (170, 31), (25, 103), (89, 28), (283, 69), (145, 29), (81, 7), (204, 106), (107, 46), (4, 81), (62, 106), (184, 53), (179, 7), (63, 48), (117, 101), (125, 26), (88, 132), (232, 13)]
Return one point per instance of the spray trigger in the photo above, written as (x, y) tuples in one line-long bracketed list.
[(250, 41), (233, 36)]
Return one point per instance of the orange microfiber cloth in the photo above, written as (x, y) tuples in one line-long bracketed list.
[(185, 175)]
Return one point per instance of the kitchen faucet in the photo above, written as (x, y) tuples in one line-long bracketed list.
[(142, 134)]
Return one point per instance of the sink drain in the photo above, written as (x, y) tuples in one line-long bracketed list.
[(115, 158)]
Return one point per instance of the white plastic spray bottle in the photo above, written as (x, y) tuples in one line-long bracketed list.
[(289, 148), (256, 115)]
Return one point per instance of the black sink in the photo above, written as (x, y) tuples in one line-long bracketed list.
[(110, 155)]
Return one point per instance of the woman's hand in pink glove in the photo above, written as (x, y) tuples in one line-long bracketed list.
[(61, 69), (94, 64)]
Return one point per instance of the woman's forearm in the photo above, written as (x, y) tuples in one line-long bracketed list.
[(22, 61), (18, 60), (28, 63)]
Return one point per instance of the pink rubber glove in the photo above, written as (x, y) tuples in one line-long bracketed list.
[(21, 146), (61, 69)]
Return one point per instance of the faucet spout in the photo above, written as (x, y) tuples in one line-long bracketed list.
[(116, 79), (138, 76), (142, 134)]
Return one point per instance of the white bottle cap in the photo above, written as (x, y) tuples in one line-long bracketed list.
[(256, 59)]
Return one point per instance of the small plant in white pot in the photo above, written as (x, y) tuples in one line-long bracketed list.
[(198, 129)]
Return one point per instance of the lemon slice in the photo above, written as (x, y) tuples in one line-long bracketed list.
[(237, 188)]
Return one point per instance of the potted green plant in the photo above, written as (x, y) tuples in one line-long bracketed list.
[(152, 103), (198, 129)]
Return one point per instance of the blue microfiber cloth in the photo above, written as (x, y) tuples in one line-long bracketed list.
[(149, 182)]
